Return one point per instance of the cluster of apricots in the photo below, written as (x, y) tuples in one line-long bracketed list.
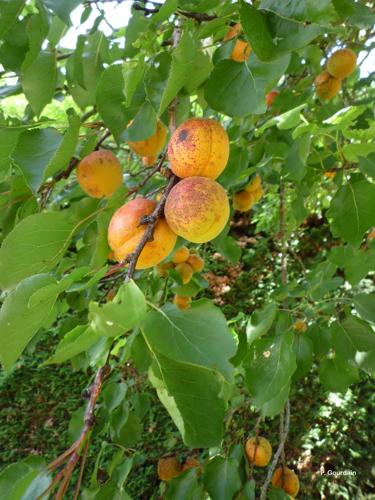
[(241, 49), (340, 65), (245, 199), (170, 467), (259, 452), (185, 262)]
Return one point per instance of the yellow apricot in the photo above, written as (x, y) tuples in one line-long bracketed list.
[(254, 184), (257, 194), (199, 147), (243, 201), (149, 161), (197, 209), (181, 255), (287, 480), (125, 232), (162, 269), (241, 51), (168, 468), (233, 31), (185, 271), (258, 451), (182, 303), (153, 144), (99, 174), (342, 63), (327, 86), (300, 326), (196, 262)]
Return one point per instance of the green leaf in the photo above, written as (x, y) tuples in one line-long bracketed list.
[(355, 262), (365, 306), (260, 322), (35, 151), (289, 119), (39, 81), (366, 362), (352, 211), (185, 487), (8, 141), (34, 246), (239, 89), (237, 165), (221, 478), (255, 27), (110, 100), (352, 335), (303, 349), (26, 479), (337, 374), (269, 367), (227, 246), (76, 341), (166, 10), (367, 165), (18, 321), (62, 9), (113, 395), (181, 69), (352, 152), (9, 12), (122, 314)]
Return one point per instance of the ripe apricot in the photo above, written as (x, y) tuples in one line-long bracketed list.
[(243, 201), (168, 468), (182, 303), (257, 195), (197, 209), (162, 269), (270, 97), (342, 63), (327, 86), (99, 174), (190, 463), (287, 480), (149, 161), (330, 174), (181, 255), (371, 235), (241, 51), (196, 262), (199, 147), (258, 451), (125, 232), (254, 184), (233, 31), (300, 326), (185, 271), (153, 144)]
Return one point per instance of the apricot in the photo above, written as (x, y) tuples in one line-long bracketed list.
[(197, 209), (125, 232), (254, 184), (243, 201), (196, 262), (190, 463), (300, 326), (233, 31), (241, 51), (258, 451), (185, 271), (342, 63), (199, 147), (181, 302), (163, 269), (327, 86), (153, 144), (181, 255), (371, 235), (168, 468), (149, 161), (330, 174), (257, 195), (287, 480), (270, 97), (99, 174)]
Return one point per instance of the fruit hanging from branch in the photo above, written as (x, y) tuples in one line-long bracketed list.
[(151, 146), (99, 174)]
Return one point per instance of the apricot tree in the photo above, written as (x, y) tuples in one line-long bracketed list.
[(121, 157)]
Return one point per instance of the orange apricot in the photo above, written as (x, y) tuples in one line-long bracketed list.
[(241, 51), (254, 184), (270, 97), (199, 147), (300, 326), (196, 262), (257, 195), (181, 302), (190, 463), (149, 161), (185, 271), (330, 174), (371, 235), (162, 269), (197, 209), (287, 480), (258, 451), (153, 144), (99, 174), (327, 86), (181, 255), (243, 201), (342, 63), (125, 232), (168, 468), (233, 31)]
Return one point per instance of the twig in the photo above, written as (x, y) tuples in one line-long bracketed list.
[(152, 172), (198, 16), (279, 451), (284, 263)]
